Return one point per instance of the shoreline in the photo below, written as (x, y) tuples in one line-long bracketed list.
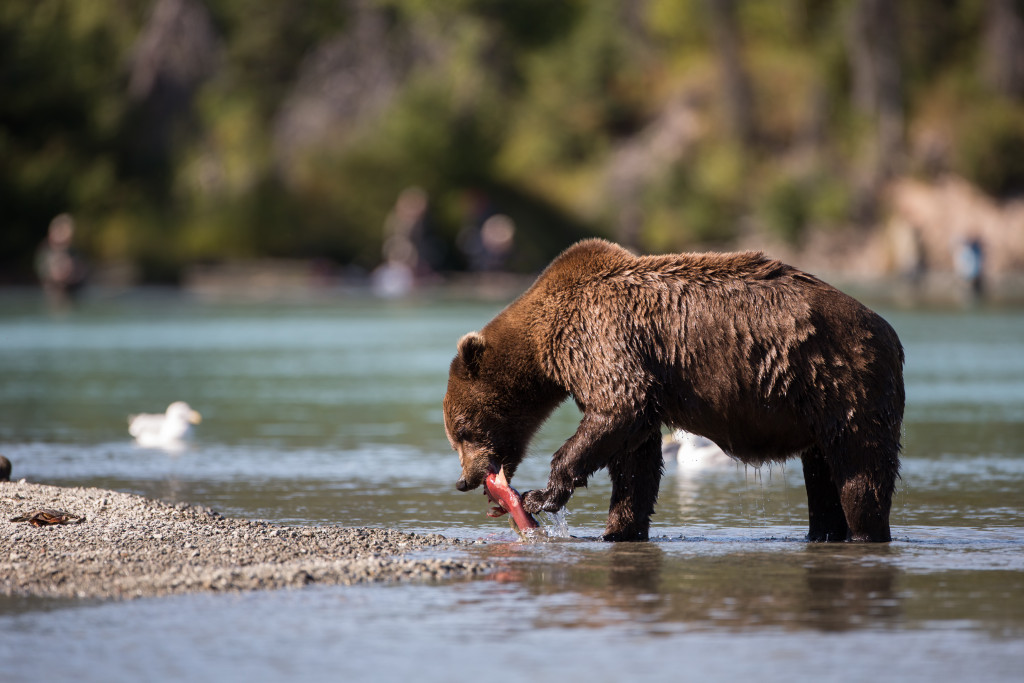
[(128, 546)]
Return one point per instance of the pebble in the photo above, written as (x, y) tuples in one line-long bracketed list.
[(130, 546)]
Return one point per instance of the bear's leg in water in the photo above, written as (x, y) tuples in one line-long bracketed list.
[(585, 452), (598, 439), (865, 480), (636, 476), (866, 501), (825, 508)]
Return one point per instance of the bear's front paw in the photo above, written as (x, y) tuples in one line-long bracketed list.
[(543, 501)]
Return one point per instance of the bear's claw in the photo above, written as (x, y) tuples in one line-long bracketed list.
[(542, 501)]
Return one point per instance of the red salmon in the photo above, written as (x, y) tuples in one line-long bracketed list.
[(507, 500)]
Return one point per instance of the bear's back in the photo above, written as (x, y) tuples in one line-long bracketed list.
[(597, 261)]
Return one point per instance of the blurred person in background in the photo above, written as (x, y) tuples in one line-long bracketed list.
[(61, 271)]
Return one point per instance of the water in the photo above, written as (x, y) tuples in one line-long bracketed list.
[(328, 412)]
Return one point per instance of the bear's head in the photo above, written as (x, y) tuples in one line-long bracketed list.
[(487, 417)]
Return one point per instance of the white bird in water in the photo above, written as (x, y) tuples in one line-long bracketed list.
[(693, 452), (169, 430)]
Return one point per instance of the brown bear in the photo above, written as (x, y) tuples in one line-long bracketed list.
[(763, 359)]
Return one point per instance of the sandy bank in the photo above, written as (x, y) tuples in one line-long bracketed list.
[(129, 546)]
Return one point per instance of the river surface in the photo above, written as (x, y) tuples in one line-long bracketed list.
[(327, 411)]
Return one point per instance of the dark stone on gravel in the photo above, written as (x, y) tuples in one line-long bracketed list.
[(130, 546)]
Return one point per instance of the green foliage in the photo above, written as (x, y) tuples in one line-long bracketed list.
[(576, 97), (424, 139), (698, 202), (793, 204), (989, 149), (786, 208), (62, 99), (266, 41), (528, 101)]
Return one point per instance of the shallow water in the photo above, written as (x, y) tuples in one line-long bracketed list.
[(328, 412)]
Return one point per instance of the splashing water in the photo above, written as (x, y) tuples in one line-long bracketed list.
[(556, 523)]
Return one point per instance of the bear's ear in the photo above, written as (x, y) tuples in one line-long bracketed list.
[(471, 348)]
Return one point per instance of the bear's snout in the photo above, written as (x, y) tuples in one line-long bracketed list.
[(462, 485)]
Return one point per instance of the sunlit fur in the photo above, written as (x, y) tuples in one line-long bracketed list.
[(765, 360)]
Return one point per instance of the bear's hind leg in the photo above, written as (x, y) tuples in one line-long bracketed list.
[(825, 507), (866, 501), (636, 476), (866, 479)]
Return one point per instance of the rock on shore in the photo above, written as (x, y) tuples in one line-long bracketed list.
[(128, 546)]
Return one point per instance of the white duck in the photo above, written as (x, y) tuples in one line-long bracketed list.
[(169, 430), (694, 453)]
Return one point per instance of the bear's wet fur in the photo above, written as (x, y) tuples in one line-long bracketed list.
[(765, 360)]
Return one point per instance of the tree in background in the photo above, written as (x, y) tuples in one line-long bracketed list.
[(177, 131), (736, 89), (1003, 46), (877, 88)]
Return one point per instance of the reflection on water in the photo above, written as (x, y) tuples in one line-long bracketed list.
[(329, 413), (795, 586), (740, 583)]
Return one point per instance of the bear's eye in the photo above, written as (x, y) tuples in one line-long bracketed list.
[(462, 435)]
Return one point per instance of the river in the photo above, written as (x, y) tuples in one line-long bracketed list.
[(327, 411)]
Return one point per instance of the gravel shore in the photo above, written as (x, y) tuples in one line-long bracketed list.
[(128, 546)]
